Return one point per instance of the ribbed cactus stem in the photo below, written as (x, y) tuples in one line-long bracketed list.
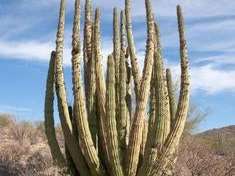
[(161, 124), (87, 43), (102, 136), (162, 119), (59, 67), (182, 108), (127, 71), (122, 120), (101, 91), (137, 126), (148, 149), (116, 55), (70, 163), (171, 94), (144, 139), (113, 148), (56, 153), (91, 98), (66, 124), (85, 138), (131, 47)]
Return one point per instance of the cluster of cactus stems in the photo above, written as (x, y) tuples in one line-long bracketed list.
[(105, 135)]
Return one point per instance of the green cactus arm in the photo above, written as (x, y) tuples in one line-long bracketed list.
[(91, 98), (116, 55), (71, 141), (101, 91), (89, 71), (152, 109), (88, 31), (127, 71), (60, 85), (183, 104), (162, 119), (152, 113), (122, 119), (113, 148), (131, 47), (85, 138), (161, 123), (56, 153), (137, 126), (70, 163), (143, 143), (171, 94), (87, 43)]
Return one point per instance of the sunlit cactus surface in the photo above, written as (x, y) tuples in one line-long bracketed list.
[(128, 122)]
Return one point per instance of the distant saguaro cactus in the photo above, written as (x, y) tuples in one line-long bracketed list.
[(103, 135)]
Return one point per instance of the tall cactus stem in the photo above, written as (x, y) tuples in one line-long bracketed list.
[(122, 121), (116, 55), (91, 98), (85, 139), (56, 153), (66, 124), (171, 94), (137, 126), (71, 167), (161, 122), (113, 147), (100, 91), (103, 135), (162, 119), (87, 43), (183, 103), (131, 47), (125, 50)]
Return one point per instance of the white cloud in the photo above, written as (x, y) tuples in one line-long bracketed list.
[(212, 80), (30, 50), (228, 59), (208, 79), (202, 36)]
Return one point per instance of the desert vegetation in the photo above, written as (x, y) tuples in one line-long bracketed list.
[(23, 148), (121, 122), (100, 120), (198, 154)]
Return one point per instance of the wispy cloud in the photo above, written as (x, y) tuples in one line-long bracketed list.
[(198, 8), (25, 50), (209, 29), (30, 50), (208, 78), (8, 108)]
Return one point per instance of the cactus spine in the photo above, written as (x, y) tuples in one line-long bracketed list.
[(103, 135)]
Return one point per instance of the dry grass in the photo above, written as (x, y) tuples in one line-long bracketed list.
[(23, 149), (24, 152)]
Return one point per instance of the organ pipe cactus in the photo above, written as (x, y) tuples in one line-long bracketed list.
[(103, 135)]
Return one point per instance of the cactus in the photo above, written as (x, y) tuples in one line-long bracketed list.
[(103, 135)]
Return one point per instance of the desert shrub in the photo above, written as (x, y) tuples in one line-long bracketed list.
[(23, 149), (197, 159), (11, 157), (6, 120)]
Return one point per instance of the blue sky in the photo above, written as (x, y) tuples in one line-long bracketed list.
[(27, 35)]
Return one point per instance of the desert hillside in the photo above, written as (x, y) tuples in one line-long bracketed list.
[(24, 151)]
